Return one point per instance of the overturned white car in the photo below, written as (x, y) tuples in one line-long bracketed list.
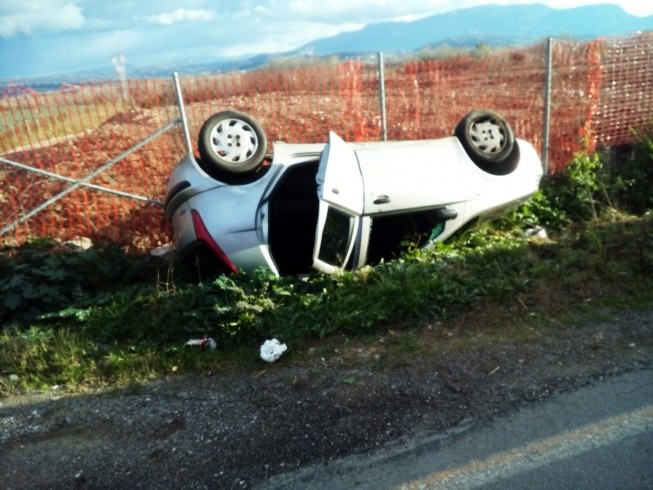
[(338, 205)]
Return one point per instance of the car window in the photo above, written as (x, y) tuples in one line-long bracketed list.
[(336, 238)]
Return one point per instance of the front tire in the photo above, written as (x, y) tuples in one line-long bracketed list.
[(489, 141)]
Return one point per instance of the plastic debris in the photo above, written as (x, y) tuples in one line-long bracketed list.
[(163, 250), (537, 232), (78, 244), (271, 350), (202, 343)]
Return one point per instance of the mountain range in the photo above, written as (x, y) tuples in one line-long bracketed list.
[(492, 25)]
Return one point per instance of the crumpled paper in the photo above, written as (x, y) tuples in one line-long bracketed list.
[(271, 350)]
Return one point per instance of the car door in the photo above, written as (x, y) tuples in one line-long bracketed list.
[(407, 175), (340, 190)]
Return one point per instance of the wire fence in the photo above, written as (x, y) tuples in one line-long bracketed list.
[(92, 159)]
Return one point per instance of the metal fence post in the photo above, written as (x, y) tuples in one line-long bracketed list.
[(182, 113), (546, 123), (384, 125)]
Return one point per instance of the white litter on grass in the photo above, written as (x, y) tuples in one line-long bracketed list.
[(537, 232), (271, 350), (78, 244), (162, 250), (206, 342)]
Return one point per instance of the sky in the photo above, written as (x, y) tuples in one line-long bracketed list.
[(47, 37)]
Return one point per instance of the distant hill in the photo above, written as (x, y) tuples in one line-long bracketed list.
[(495, 25), (492, 25)]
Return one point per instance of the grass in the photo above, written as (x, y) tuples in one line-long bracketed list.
[(512, 289)]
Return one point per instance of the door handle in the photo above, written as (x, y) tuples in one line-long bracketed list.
[(382, 200)]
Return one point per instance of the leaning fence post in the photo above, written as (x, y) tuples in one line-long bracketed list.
[(182, 113), (546, 123), (384, 125)]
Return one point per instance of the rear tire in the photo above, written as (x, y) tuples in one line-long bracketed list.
[(232, 142)]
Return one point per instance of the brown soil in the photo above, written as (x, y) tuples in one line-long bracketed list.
[(317, 403)]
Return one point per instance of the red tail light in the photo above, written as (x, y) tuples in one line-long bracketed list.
[(203, 234)]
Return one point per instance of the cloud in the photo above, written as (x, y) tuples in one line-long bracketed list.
[(367, 11), (268, 40), (33, 16), (180, 15)]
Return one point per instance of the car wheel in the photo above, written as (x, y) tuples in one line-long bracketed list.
[(489, 141), (233, 142)]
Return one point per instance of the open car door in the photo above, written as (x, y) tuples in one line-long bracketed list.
[(340, 190)]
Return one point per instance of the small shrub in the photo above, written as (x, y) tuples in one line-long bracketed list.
[(590, 186), (630, 173)]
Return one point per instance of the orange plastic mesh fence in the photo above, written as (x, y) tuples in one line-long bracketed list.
[(625, 107), (601, 95)]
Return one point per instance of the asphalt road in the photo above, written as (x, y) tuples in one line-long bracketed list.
[(599, 437)]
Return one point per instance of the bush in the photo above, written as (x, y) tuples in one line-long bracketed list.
[(591, 184), (42, 276), (630, 173)]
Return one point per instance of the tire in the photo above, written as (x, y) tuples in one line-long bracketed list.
[(232, 142), (489, 141)]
